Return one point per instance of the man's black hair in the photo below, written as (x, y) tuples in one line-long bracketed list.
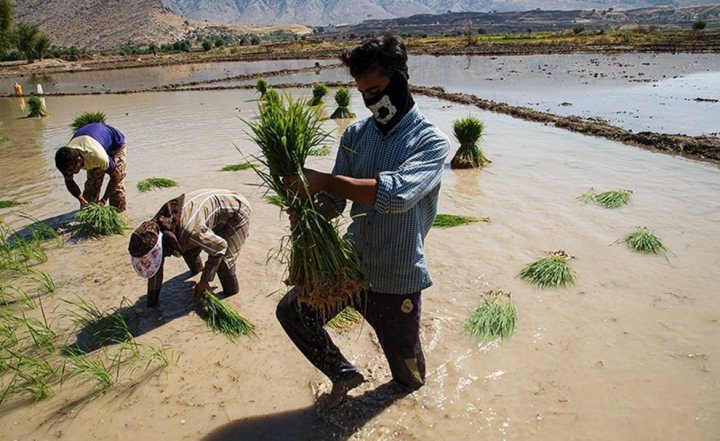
[(65, 157), (386, 54)]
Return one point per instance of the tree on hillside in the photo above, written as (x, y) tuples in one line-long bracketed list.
[(6, 19), (42, 44), (27, 35), (699, 24)]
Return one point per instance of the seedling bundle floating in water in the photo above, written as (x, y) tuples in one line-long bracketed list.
[(99, 220), (468, 132), (608, 199), (220, 317), (239, 167), (153, 183), (645, 241), (86, 118), (551, 271), (342, 98), (318, 91), (9, 203), (456, 220), (261, 87), (322, 266), (494, 318)]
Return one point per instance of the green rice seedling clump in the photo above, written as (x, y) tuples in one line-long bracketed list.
[(274, 199), (86, 118), (608, 199), (153, 183), (346, 319), (99, 220), (262, 87), (468, 132), (322, 150), (323, 267), (456, 220), (37, 108), (551, 271), (239, 167), (220, 317), (494, 318), (9, 203), (319, 91), (342, 98), (645, 241)]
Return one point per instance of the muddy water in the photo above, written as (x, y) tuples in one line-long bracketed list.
[(655, 92), (629, 352), (147, 77)]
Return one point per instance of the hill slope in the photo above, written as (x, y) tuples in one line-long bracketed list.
[(324, 12), (108, 24)]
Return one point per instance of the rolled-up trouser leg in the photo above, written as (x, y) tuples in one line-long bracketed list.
[(304, 326), (228, 279), (193, 260), (117, 199)]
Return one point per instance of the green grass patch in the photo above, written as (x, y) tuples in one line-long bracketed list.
[(551, 271), (494, 318), (645, 241), (5, 203), (456, 220), (322, 150), (346, 319), (240, 167), (86, 118), (221, 318), (153, 183), (99, 220), (608, 199)]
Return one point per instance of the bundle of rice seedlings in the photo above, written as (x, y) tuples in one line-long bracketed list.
[(322, 150), (222, 318), (494, 318), (37, 107), (99, 220), (468, 132), (239, 167), (86, 118), (608, 199), (9, 203), (645, 241), (456, 220), (261, 86), (322, 266), (274, 199), (318, 91), (342, 98), (551, 271), (153, 183), (346, 319)]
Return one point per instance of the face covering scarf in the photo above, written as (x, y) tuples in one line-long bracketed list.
[(390, 105)]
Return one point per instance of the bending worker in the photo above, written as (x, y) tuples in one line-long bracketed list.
[(214, 221), (99, 149)]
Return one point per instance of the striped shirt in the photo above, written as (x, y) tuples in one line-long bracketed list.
[(408, 165), (205, 212)]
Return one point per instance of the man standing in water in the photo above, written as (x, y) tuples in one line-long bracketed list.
[(99, 149), (390, 165)]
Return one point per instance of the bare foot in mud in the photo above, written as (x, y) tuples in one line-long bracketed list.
[(339, 391)]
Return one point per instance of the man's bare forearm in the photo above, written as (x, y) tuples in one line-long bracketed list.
[(363, 191)]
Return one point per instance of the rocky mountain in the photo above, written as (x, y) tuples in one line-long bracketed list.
[(325, 12), (109, 24)]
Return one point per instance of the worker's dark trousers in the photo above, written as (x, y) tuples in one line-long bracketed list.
[(394, 317)]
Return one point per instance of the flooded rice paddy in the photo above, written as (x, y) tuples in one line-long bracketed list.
[(629, 352)]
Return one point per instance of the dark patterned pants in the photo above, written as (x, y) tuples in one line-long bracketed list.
[(95, 177), (395, 319)]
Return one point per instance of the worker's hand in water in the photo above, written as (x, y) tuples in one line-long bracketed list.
[(201, 288)]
